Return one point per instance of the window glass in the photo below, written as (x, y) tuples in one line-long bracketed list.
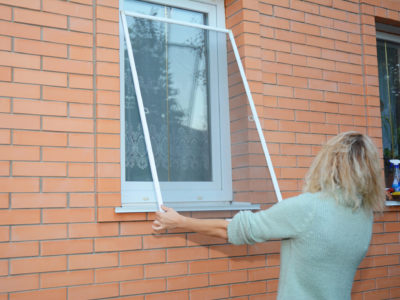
[(389, 90), (172, 65)]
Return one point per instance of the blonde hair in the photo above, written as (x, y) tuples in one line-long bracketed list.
[(348, 169)]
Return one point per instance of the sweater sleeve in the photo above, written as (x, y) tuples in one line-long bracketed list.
[(286, 219)]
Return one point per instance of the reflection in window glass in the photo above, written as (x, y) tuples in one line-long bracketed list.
[(388, 64), (172, 65)]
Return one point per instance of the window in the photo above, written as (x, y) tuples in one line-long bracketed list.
[(388, 50), (182, 73)]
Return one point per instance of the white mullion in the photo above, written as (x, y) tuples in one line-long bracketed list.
[(142, 113)]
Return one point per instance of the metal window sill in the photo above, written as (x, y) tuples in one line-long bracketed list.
[(209, 206)]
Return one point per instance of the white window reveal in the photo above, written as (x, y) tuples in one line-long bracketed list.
[(175, 135)]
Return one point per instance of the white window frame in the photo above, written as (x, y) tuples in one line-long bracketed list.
[(216, 195)]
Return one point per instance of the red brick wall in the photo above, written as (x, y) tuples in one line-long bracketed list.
[(313, 71)]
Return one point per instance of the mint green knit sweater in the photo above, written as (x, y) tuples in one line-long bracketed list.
[(323, 244)]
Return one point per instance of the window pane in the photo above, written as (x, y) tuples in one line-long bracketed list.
[(388, 64), (172, 65)]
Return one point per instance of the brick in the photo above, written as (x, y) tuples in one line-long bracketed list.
[(81, 200), (40, 48), (165, 270), (220, 251), (108, 185), (87, 261), (114, 199), (164, 241), (108, 170), (217, 292), (66, 247), (107, 126), (208, 266), (80, 110), (39, 107), (81, 140), (56, 279), (292, 81), (66, 94), (118, 274), (93, 230), (38, 232), (142, 257), (19, 122), (4, 234), (8, 250), (117, 244), (38, 265), (228, 277), (79, 24), (93, 291), (39, 18), (108, 111), (288, 14), (39, 169), (39, 138), (19, 283), (5, 169), (5, 73), (81, 81), (20, 90), (187, 282), (5, 43), (107, 41), (180, 254), (67, 185), (68, 8), (106, 27), (19, 60), (40, 77), (37, 200), (10, 184), (108, 97), (59, 294), (80, 170), (69, 215), (110, 3), (107, 55), (67, 65), (320, 42), (107, 83), (248, 288), (5, 105), (67, 124), (108, 155), (107, 13), (322, 85), (4, 271), (80, 53), (19, 30), (142, 286), (308, 94)]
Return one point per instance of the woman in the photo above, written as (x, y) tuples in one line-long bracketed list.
[(325, 231)]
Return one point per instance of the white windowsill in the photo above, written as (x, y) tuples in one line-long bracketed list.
[(210, 206)]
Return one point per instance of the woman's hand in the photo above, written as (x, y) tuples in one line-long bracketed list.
[(168, 219)]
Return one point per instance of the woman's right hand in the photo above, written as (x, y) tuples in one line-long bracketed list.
[(168, 219)]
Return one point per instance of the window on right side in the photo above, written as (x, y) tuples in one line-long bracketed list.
[(388, 52)]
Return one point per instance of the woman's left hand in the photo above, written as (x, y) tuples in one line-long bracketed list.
[(168, 219)]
